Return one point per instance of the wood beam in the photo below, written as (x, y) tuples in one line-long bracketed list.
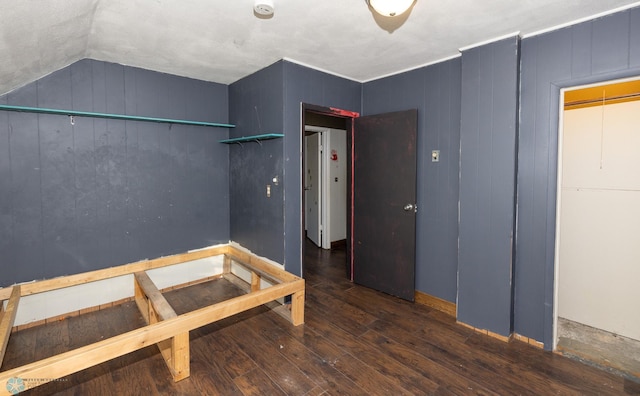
[(155, 308), (161, 307), (263, 268), (255, 281), (226, 265), (128, 269), (165, 328), (297, 307), (79, 359), (7, 319)]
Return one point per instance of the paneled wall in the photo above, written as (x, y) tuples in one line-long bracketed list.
[(488, 143), (435, 91), (602, 49), (270, 101), (304, 85), (257, 220), (100, 193)]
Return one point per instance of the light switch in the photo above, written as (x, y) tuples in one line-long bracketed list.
[(435, 156), (268, 190)]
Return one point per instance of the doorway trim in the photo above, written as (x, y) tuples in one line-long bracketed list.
[(559, 163), (324, 221), (338, 113)]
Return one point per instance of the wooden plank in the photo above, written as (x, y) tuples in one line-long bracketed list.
[(175, 350), (239, 282), (255, 281), (79, 359), (436, 303), (180, 353), (275, 306), (241, 256), (141, 301), (160, 304), (297, 308), (528, 340), (262, 274), (8, 317), (226, 265), (264, 269), (258, 263), (487, 332), (127, 269)]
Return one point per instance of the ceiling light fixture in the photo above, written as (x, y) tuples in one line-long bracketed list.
[(263, 7), (391, 8)]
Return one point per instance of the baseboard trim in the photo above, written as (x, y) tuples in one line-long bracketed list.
[(491, 334), (528, 340), (513, 336), (436, 303)]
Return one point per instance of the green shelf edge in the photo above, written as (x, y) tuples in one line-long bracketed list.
[(252, 138), (42, 110)]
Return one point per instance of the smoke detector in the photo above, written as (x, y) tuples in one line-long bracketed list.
[(263, 7)]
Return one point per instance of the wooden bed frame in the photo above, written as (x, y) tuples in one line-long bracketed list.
[(164, 327)]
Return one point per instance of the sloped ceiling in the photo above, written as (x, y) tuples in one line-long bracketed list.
[(223, 40)]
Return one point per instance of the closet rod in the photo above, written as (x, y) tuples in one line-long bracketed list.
[(42, 110)]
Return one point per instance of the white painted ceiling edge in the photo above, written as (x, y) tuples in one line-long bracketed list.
[(223, 41)]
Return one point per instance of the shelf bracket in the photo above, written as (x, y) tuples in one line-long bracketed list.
[(253, 138)]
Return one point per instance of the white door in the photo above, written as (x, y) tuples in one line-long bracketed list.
[(313, 187), (334, 199)]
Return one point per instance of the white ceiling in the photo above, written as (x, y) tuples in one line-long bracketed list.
[(223, 40)]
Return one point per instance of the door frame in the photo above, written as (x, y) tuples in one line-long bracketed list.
[(559, 159), (327, 207), (319, 181), (349, 124)]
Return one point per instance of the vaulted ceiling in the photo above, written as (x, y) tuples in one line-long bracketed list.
[(223, 40)]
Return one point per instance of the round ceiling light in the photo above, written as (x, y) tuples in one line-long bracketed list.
[(263, 7), (390, 8)]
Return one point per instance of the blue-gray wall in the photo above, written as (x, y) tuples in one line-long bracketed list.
[(487, 185), (593, 51), (304, 85), (106, 192), (272, 227), (103, 193), (435, 91), (256, 107), (602, 49)]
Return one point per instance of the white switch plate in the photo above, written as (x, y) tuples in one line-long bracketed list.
[(435, 156)]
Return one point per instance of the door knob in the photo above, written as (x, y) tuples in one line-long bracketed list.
[(410, 207)]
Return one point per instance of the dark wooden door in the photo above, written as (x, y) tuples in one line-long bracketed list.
[(384, 197)]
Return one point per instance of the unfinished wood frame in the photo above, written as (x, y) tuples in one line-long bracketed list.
[(164, 327)]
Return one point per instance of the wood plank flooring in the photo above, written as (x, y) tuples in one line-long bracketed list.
[(355, 341)]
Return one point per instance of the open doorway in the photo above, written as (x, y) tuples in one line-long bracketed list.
[(325, 187), (598, 223), (381, 192), (326, 179)]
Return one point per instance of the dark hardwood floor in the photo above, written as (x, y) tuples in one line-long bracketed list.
[(355, 341)]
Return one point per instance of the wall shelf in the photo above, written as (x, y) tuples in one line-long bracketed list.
[(73, 113), (252, 138)]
